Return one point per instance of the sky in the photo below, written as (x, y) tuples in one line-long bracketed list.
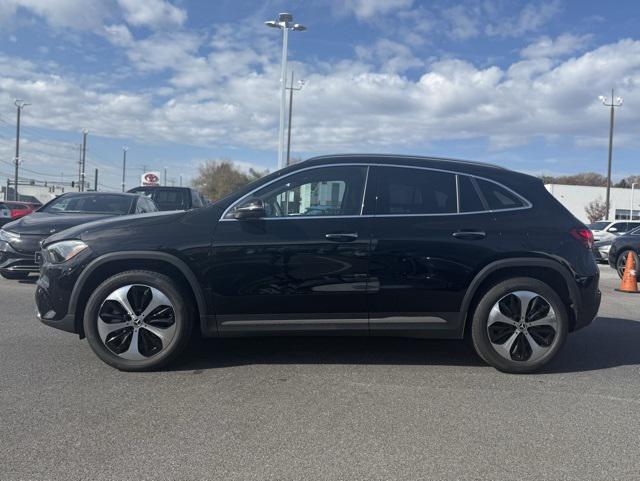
[(185, 81)]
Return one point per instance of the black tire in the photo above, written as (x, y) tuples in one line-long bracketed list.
[(622, 260), (14, 275), (480, 330), (182, 317)]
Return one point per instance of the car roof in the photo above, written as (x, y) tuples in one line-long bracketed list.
[(121, 194), (153, 187), (395, 159)]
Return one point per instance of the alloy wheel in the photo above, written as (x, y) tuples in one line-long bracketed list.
[(522, 326), (622, 262), (136, 322)]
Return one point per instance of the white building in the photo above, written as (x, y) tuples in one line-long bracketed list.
[(32, 192), (576, 197)]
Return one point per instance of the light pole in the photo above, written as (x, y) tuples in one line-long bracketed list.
[(20, 104), (291, 89), (615, 102), (633, 188), (284, 23), (124, 164), (84, 158)]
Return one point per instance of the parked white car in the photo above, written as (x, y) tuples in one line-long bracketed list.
[(606, 230)]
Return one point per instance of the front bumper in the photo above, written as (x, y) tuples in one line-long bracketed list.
[(601, 254), (54, 289), (12, 260)]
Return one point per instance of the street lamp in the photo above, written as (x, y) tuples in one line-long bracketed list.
[(124, 165), (615, 102), (284, 23), (299, 86), (633, 187), (20, 104)]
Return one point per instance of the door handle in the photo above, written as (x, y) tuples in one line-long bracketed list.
[(341, 236), (470, 234)]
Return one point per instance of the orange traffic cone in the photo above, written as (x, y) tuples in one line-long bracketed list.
[(629, 279)]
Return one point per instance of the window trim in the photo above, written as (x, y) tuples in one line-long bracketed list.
[(526, 202)]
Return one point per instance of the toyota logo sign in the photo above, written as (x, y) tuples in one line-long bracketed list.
[(150, 178)]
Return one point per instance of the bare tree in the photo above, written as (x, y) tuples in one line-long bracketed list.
[(596, 210), (584, 178), (219, 178)]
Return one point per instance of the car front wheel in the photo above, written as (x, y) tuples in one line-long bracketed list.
[(138, 320), (519, 325)]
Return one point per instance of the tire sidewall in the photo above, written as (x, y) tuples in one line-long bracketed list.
[(623, 255), (158, 281), (480, 337)]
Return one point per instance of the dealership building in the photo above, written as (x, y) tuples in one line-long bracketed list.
[(577, 197)]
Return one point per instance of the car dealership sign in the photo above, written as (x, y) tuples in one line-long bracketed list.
[(150, 178)]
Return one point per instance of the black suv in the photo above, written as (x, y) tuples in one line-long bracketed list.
[(351, 244)]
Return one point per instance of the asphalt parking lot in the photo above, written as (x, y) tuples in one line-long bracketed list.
[(318, 408)]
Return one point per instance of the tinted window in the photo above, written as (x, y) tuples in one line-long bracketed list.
[(90, 204), (498, 198), (415, 191), (469, 199), (145, 205), (167, 199), (620, 226), (598, 225), (195, 199), (315, 192)]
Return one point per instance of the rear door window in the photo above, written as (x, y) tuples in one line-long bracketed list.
[(406, 191), (470, 200)]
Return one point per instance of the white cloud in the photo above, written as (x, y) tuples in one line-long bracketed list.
[(84, 15), (550, 48), (152, 13), (530, 18), (368, 9)]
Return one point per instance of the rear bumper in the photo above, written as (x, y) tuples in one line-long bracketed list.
[(590, 298)]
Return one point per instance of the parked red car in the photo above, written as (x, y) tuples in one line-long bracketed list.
[(20, 209)]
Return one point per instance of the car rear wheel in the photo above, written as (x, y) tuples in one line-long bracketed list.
[(138, 320), (14, 275), (519, 325), (621, 262)]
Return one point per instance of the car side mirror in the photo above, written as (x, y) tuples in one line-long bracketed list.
[(253, 209), (613, 230)]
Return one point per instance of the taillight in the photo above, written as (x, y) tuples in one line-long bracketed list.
[(584, 236)]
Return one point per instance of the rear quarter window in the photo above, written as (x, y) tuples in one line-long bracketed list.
[(497, 197)]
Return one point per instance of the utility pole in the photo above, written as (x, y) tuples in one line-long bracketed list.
[(284, 23), (165, 176), (95, 181), (20, 104), (84, 158), (615, 102), (124, 165), (180, 180), (291, 89)]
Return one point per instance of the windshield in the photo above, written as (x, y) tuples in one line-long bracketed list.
[(598, 225), (90, 204)]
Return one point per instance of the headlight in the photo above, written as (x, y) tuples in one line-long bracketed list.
[(8, 236), (64, 250)]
